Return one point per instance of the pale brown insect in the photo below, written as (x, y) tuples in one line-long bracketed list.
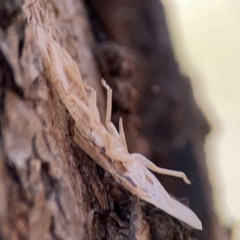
[(104, 144)]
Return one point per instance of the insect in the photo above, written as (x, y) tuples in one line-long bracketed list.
[(105, 144)]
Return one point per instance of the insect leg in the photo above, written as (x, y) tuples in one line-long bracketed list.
[(94, 114), (110, 127), (119, 156), (114, 152), (122, 134), (147, 163)]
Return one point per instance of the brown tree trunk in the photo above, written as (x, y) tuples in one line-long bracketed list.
[(49, 188)]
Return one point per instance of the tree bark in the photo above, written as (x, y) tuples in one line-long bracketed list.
[(49, 188)]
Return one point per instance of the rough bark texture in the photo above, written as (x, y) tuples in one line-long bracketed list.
[(49, 188)]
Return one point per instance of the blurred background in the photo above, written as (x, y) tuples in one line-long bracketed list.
[(206, 36)]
